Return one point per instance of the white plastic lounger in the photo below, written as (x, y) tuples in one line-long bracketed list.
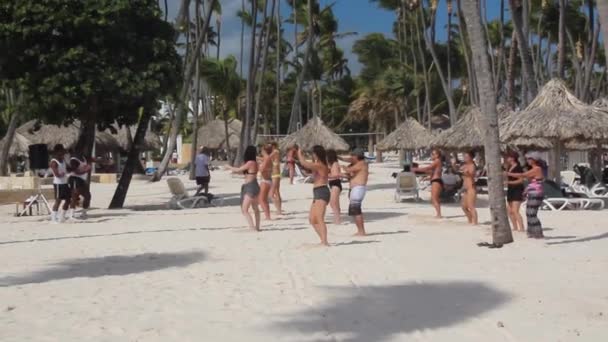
[(181, 199), (407, 185)]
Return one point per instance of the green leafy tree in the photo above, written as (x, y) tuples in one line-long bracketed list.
[(99, 61)]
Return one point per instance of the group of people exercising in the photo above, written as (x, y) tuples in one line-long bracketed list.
[(326, 174), (517, 192)]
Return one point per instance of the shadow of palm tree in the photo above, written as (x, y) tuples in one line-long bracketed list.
[(115, 265), (377, 313), (382, 186), (355, 242), (88, 236), (585, 239), (388, 233), (381, 215)]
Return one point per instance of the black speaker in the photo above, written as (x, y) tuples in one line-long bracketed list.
[(39, 157)]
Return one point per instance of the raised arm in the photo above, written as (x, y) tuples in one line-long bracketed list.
[(428, 168), (528, 174), (305, 163), (242, 168)]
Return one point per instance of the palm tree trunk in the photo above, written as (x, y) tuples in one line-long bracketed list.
[(467, 58), (589, 63), (526, 59), (300, 82), (196, 95), (184, 92), (246, 129), (268, 21), (241, 62), (120, 194), (446, 87), (561, 45), (511, 72), (10, 135), (278, 66), (427, 101), (501, 231)]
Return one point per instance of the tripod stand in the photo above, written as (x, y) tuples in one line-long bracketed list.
[(39, 197)]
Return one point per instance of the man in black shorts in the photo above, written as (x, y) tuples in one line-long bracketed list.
[(203, 176), (79, 183)]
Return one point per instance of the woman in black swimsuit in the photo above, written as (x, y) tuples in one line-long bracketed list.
[(335, 184), (515, 191), (436, 182), (321, 196), (250, 189)]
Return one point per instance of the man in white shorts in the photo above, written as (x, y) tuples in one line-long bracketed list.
[(358, 173), (60, 184)]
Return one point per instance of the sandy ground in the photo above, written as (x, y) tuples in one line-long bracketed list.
[(150, 274)]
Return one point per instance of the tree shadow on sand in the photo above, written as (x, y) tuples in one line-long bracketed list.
[(585, 239), (377, 313), (115, 265), (381, 215)]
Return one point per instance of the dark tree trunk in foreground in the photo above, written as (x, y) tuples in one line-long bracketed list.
[(501, 231), (120, 194), (8, 141)]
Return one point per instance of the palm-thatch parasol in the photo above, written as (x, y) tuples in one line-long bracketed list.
[(505, 115), (19, 147), (556, 114), (410, 135), (65, 135), (315, 133), (151, 139), (467, 132), (602, 102), (213, 134)]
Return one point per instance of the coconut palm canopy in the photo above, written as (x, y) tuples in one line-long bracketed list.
[(213, 134), (410, 135), (556, 114), (19, 147), (65, 135), (315, 133)]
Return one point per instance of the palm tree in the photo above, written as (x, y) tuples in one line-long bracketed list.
[(501, 231), (519, 24), (225, 83), (190, 69), (602, 7)]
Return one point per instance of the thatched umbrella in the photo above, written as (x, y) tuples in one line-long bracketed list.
[(19, 147), (66, 135), (410, 135), (557, 115), (315, 133), (467, 132), (213, 134), (151, 139)]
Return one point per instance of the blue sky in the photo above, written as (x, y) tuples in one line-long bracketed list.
[(359, 16)]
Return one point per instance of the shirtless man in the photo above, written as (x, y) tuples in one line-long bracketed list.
[(358, 173)]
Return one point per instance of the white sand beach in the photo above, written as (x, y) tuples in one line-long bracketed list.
[(145, 273)]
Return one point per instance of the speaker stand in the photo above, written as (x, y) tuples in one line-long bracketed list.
[(39, 197)]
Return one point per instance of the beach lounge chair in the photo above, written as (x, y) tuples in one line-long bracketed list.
[(407, 185), (591, 199), (568, 177), (181, 199), (556, 200)]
